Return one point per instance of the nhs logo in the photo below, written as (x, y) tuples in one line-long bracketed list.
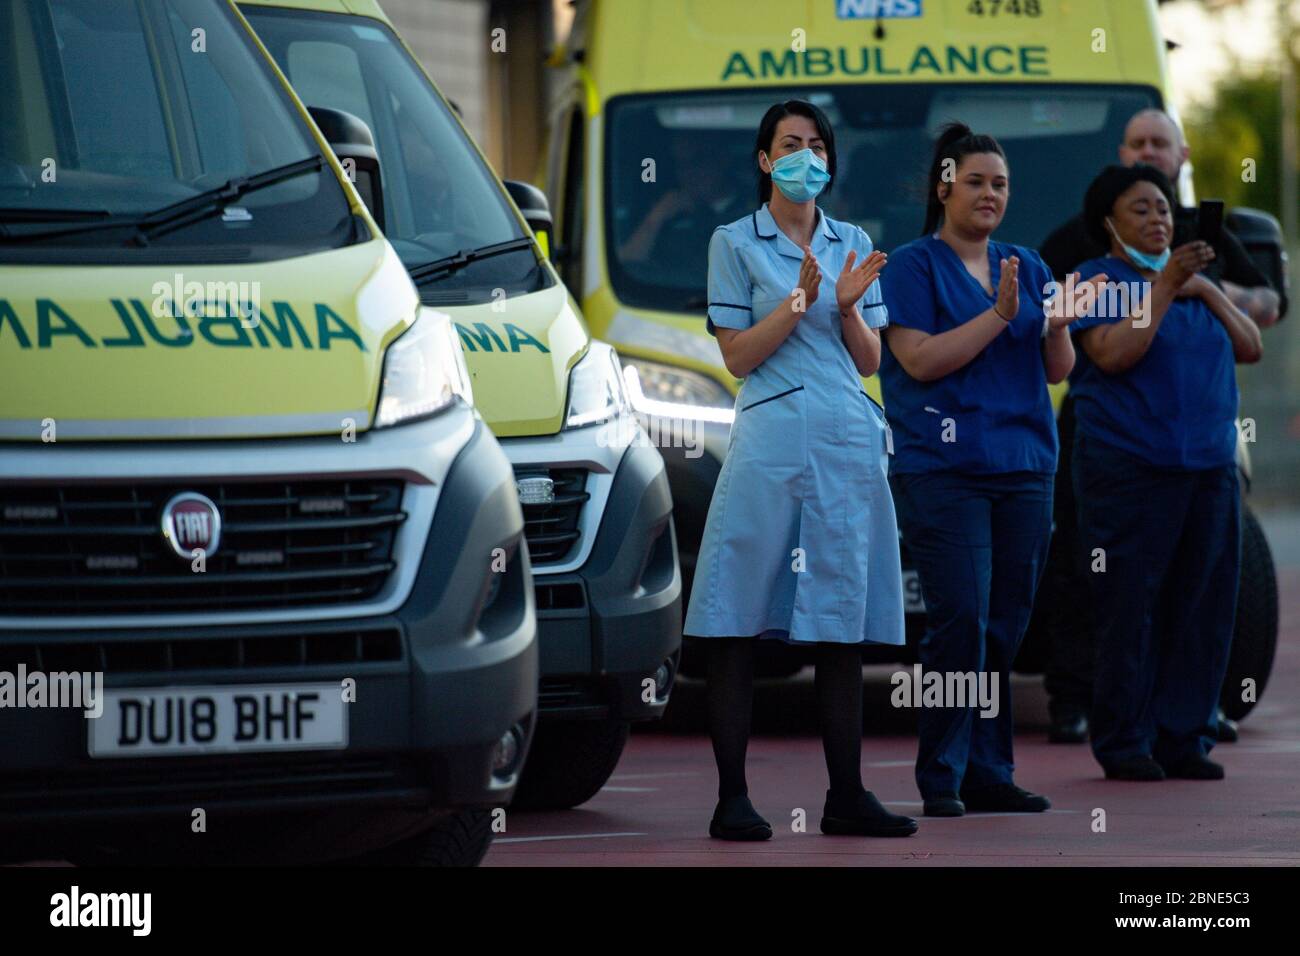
[(871, 9)]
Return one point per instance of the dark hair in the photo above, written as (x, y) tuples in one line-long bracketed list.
[(955, 142), (767, 133), (1111, 183)]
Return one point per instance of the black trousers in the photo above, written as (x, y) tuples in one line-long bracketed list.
[(1165, 603)]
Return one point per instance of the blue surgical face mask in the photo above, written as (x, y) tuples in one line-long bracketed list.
[(1141, 259), (800, 176)]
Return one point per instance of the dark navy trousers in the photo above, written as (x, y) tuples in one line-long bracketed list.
[(1164, 605), (979, 544)]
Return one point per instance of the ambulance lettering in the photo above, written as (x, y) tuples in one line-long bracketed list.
[(948, 61), (136, 324), (482, 337)]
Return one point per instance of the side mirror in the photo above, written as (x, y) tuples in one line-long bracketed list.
[(536, 211), (354, 145), (1261, 235)]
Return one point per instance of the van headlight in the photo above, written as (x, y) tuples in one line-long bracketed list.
[(668, 392), (595, 388), (424, 371)]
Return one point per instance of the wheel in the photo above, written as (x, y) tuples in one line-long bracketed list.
[(569, 762), (458, 839), (1254, 639)]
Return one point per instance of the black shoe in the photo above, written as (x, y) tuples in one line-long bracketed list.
[(1194, 767), (1227, 729), (1133, 768), (1004, 798), (1068, 729), (944, 805), (863, 816), (736, 819)]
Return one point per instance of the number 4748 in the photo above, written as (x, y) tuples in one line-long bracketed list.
[(1015, 8)]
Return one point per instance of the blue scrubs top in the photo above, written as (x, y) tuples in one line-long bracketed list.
[(993, 415), (801, 541), (1177, 407)]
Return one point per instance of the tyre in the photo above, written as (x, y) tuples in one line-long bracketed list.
[(569, 762), (1254, 639), (458, 839)]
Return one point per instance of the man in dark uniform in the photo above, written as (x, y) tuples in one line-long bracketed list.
[(1151, 137)]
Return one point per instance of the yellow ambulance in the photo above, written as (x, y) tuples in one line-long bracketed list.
[(264, 592), (651, 139), (595, 493)]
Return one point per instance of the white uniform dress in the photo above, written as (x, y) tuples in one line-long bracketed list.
[(801, 541)]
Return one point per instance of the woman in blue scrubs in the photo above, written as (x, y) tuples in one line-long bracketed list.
[(969, 355), (800, 543), (1156, 481)]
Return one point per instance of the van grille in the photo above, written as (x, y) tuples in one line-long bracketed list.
[(99, 549), (552, 529), (176, 655)]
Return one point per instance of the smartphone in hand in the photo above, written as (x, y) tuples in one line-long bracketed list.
[(1209, 221)]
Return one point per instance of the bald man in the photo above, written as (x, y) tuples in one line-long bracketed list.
[(1151, 137)]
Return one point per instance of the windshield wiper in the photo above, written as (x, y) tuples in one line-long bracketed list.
[(215, 200), (30, 214), (86, 219), (454, 263), (170, 217)]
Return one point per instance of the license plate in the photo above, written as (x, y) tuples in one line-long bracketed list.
[(913, 603), (170, 721)]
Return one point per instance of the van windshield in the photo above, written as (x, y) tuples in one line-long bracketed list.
[(116, 110), (440, 198), (1057, 137)]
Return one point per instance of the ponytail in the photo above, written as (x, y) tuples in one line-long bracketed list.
[(955, 142)]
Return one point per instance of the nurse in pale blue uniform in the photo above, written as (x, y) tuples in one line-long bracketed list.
[(801, 542), (802, 518)]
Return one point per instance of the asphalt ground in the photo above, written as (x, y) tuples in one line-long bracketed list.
[(655, 809)]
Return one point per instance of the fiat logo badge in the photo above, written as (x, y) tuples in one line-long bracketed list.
[(191, 521)]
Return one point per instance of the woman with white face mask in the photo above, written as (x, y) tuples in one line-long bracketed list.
[(801, 543), (1155, 481)]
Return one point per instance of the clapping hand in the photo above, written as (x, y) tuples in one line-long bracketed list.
[(810, 279), (1061, 313), (853, 283), (1008, 302)]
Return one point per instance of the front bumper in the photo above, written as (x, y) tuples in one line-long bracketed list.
[(612, 623), (443, 667)]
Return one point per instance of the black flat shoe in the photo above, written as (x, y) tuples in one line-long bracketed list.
[(944, 805), (1133, 768), (1193, 768), (1070, 729), (864, 816), (736, 819), (1226, 731), (1004, 798)]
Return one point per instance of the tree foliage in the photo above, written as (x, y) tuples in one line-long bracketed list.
[(1241, 124)]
